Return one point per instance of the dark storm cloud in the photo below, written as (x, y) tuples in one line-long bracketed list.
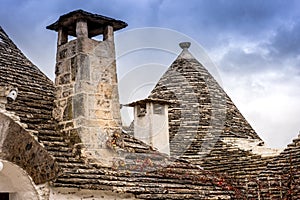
[(286, 41), (240, 62), (202, 20), (245, 16), (215, 24), (283, 51), (214, 20)]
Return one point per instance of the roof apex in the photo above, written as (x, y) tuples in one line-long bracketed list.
[(185, 54)]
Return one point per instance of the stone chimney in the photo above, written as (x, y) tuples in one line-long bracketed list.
[(151, 124), (87, 100)]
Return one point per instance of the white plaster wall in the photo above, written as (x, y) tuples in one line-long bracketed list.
[(77, 194), (15, 181), (160, 131), (153, 129), (142, 126)]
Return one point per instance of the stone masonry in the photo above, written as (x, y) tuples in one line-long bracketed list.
[(43, 158), (87, 102), (201, 112)]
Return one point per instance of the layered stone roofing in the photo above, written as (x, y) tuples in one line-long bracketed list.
[(206, 128), (202, 112), (138, 170), (281, 179), (35, 96)]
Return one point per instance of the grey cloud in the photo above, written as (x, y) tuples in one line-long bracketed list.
[(238, 61), (286, 41), (212, 23), (243, 17)]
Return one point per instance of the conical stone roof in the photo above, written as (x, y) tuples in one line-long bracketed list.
[(34, 102), (203, 113)]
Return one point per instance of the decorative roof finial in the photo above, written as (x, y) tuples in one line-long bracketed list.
[(184, 45)]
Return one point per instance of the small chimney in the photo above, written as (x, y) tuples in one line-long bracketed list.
[(151, 124), (87, 99)]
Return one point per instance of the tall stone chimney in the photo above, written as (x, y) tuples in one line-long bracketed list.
[(87, 100)]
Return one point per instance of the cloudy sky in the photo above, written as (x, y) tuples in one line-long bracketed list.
[(255, 45)]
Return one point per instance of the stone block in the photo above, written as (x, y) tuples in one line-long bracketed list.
[(87, 72), (62, 103), (79, 105), (58, 91), (103, 103), (62, 67), (67, 50), (105, 49), (84, 86), (86, 45), (74, 68), (57, 113), (113, 123), (62, 54), (104, 123), (105, 89), (83, 68), (67, 93), (64, 79), (91, 123), (103, 114), (68, 110)]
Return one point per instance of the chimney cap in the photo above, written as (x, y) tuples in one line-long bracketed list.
[(147, 100), (96, 23)]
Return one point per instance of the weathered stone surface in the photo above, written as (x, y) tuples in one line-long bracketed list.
[(80, 106), (85, 75), (137, 169), (19, 147), (96, 22), (103, 110), (201, 119), (201, 108), (83, 69), (35, 96), (68, 110), (281, 179)]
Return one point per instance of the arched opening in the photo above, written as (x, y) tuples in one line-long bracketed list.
[(15, 183)]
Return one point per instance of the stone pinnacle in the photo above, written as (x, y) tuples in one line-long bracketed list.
[(185, 45)]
